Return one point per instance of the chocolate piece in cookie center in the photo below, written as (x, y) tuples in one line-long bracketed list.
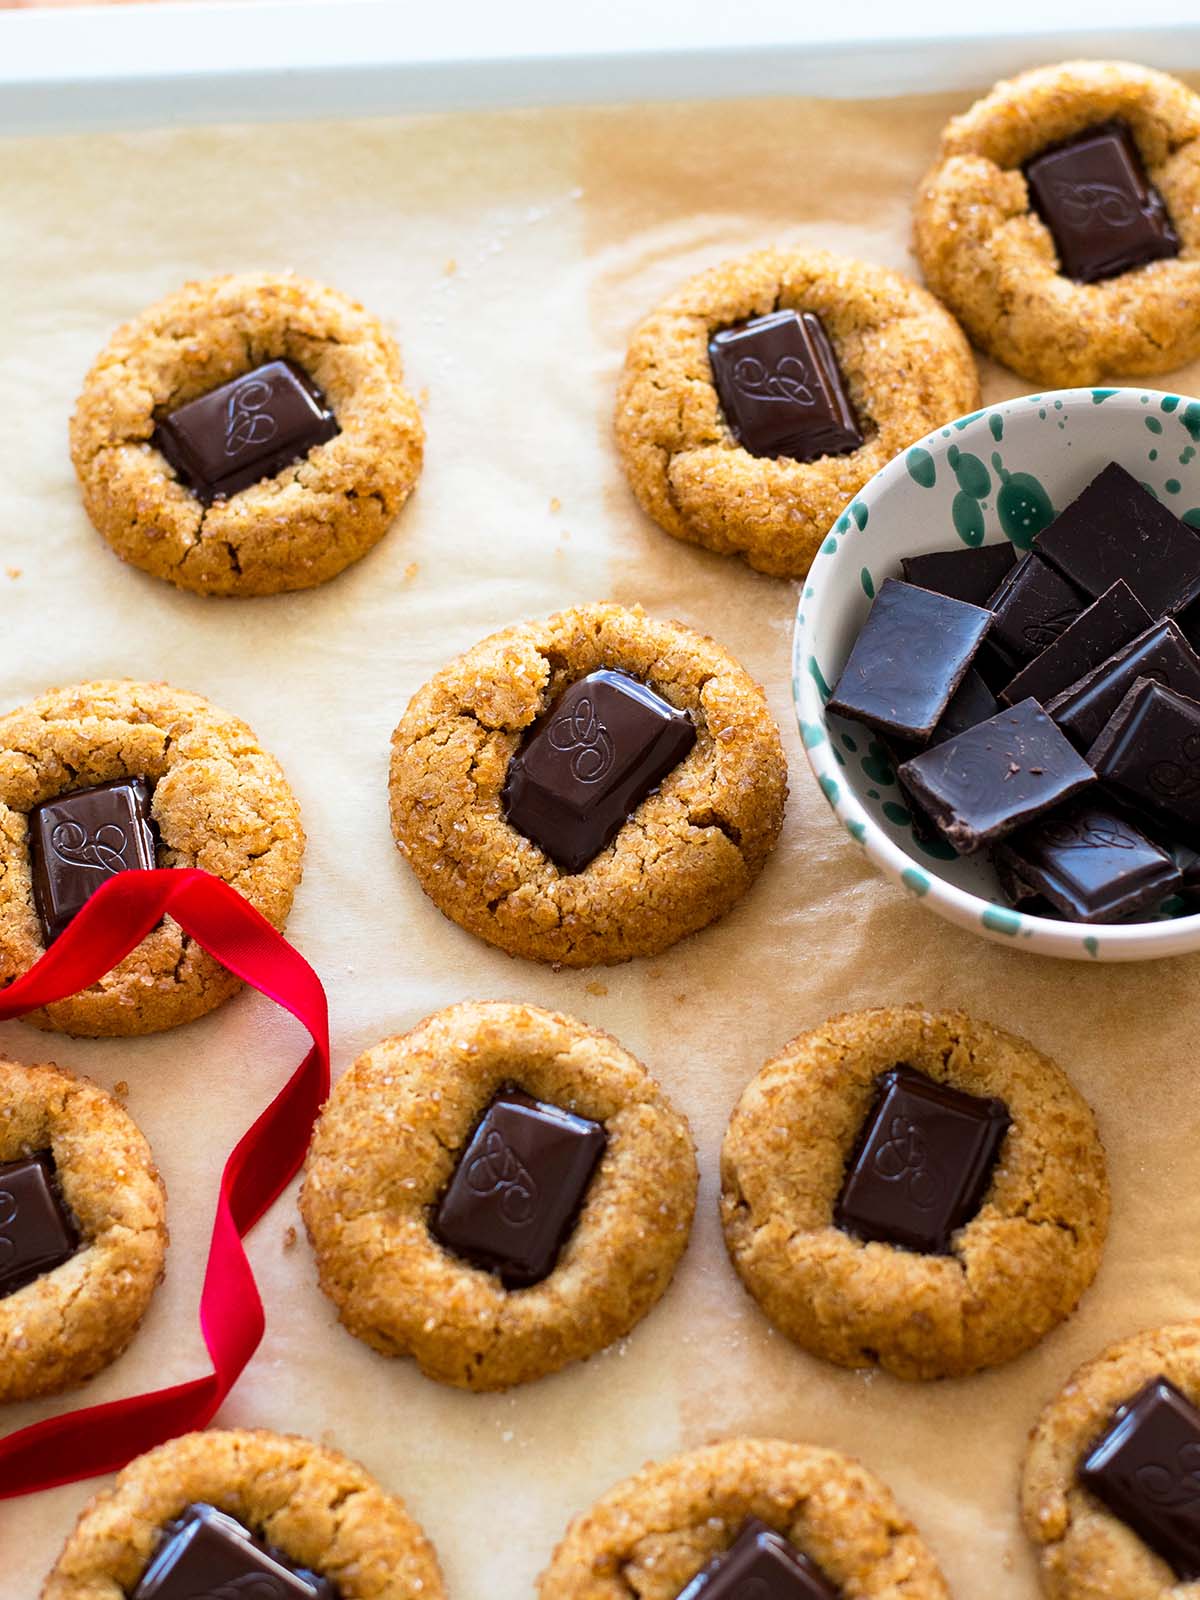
[(37, 1232), (246, 430), (922, 1164), (760, 1565), (208, 1553), (518, 1187), (1104, 214), (781, 389), (80, 840), (607, 743), (1146, 1469)]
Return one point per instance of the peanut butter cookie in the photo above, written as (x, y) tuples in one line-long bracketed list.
[(653, 1534), (303, 1506), (1061, 222), (104, 777), (82, 1229), (759, 398), (246, 435), (588, 788), (497, 1193), (919, 1191)]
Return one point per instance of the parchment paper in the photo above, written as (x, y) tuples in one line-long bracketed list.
[(512, 254)]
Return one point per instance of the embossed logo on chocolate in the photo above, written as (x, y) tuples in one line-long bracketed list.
[(8, 1215), (1045, 630), (903, 1158), (1088, 205), (1175, 1485), (497, 1171), (102, 851), (786, 382), (1178, 780), (1080, 833), (247, 420), (254, 1586), (581, 734)]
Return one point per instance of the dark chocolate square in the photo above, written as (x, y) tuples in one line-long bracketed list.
[(1145, 1468), (972, 703), (1149, 753), (1160, 652), (996, 776), (586, 767), (208, 1553), (1103, 213), (780, 388), (922, 1164), (760, 1565), (973, 573), (518, 1187), (80, 840), (246, 430), (1105, 627), (1031, 608), (1117, 530), (37, 1233), (1091, 864), (910, 657)]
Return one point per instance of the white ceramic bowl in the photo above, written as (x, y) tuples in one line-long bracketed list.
[(1000, 473)]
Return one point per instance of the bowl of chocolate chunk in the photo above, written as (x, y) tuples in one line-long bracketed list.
[(997, 672)]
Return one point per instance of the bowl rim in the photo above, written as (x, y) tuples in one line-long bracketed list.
[(1135, 941)]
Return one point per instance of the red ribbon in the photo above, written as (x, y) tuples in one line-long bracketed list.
[(81, 1444)]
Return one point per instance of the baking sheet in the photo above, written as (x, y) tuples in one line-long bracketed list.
[(512, 253)]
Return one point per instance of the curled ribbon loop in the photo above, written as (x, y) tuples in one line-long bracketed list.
[(102, 1438)]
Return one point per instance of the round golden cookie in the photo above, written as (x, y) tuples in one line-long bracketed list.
[(907, 370), (992, 259), (313, 1504), (1086, 1552), (220, 803), (70, 1322), (293, 530), (1016, 1270), (653, 1533), (690, 850), (387, 1145)]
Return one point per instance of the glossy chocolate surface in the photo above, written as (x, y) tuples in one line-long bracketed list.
[(972, 703), (1160, 652), (80, 840), (518, 1187), (972, 574), (1090, 863), (37, 1232), (1092, 193), (1117, 530), (1031, 608), (913, 652), (1107, 625), (1146, 1469), (246, 430), (584, 769), (922, 1164), (780, 388), (1149, 753), (998, 775), (207, 1555), (760, 1565)]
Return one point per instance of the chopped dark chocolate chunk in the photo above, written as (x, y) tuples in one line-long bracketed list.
[(972, 703), (1159, 652), (1031, 608), (912, 654), (80, 840), (781, 389), (1149, 753), (1096, 634), (760, 1565), (1090, 863), (1102, 211), (584, 769), (922, 1163), (206, 1552), (1145, 1468), (1117, 530), (518, 1187), (37, 1232), (986, 782), (246, 430), (972, 574)]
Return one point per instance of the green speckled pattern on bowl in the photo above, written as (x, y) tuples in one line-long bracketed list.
[(1000, 473)]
